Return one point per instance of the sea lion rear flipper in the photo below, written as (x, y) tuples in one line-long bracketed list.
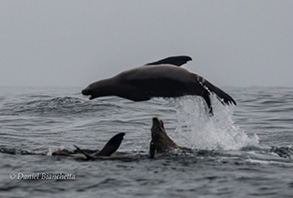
[(206, 96), (112, 145), (173, 60), (221, 95), (87, 155)]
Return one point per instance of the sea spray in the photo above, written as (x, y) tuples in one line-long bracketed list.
[(198, 130)]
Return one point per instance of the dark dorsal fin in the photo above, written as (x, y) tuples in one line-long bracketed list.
[(172, 60), (112, 145)]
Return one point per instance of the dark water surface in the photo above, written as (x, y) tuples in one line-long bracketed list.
[(242, 151)]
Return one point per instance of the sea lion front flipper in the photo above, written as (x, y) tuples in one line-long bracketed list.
[(152, 150), (87, 155), (112, 145), (172, 60)]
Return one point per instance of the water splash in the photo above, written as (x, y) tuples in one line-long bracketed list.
[(51, 150), (200, 131)]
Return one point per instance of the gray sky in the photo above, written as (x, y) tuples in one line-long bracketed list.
[(73, 43)]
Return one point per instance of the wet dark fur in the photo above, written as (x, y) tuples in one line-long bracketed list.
[(161, 142)]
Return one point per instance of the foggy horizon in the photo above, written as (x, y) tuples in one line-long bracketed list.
[(73, 43)]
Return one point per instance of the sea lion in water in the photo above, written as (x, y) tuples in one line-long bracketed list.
[(111, 146), (161, 142), (173, 60), (144, 83)]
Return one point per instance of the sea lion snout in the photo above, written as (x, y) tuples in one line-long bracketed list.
[(88, 92), (157, 121)]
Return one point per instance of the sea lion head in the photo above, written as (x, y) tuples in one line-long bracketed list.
[(96, 89), (160, 142), (157, 141), (158, 126)]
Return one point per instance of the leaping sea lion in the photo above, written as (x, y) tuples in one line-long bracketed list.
[(158, 80), (161, 142)]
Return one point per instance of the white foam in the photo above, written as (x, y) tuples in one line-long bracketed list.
[(52, 150), (198, 130)]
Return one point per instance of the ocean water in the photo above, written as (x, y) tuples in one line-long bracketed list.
[(242, 151)]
